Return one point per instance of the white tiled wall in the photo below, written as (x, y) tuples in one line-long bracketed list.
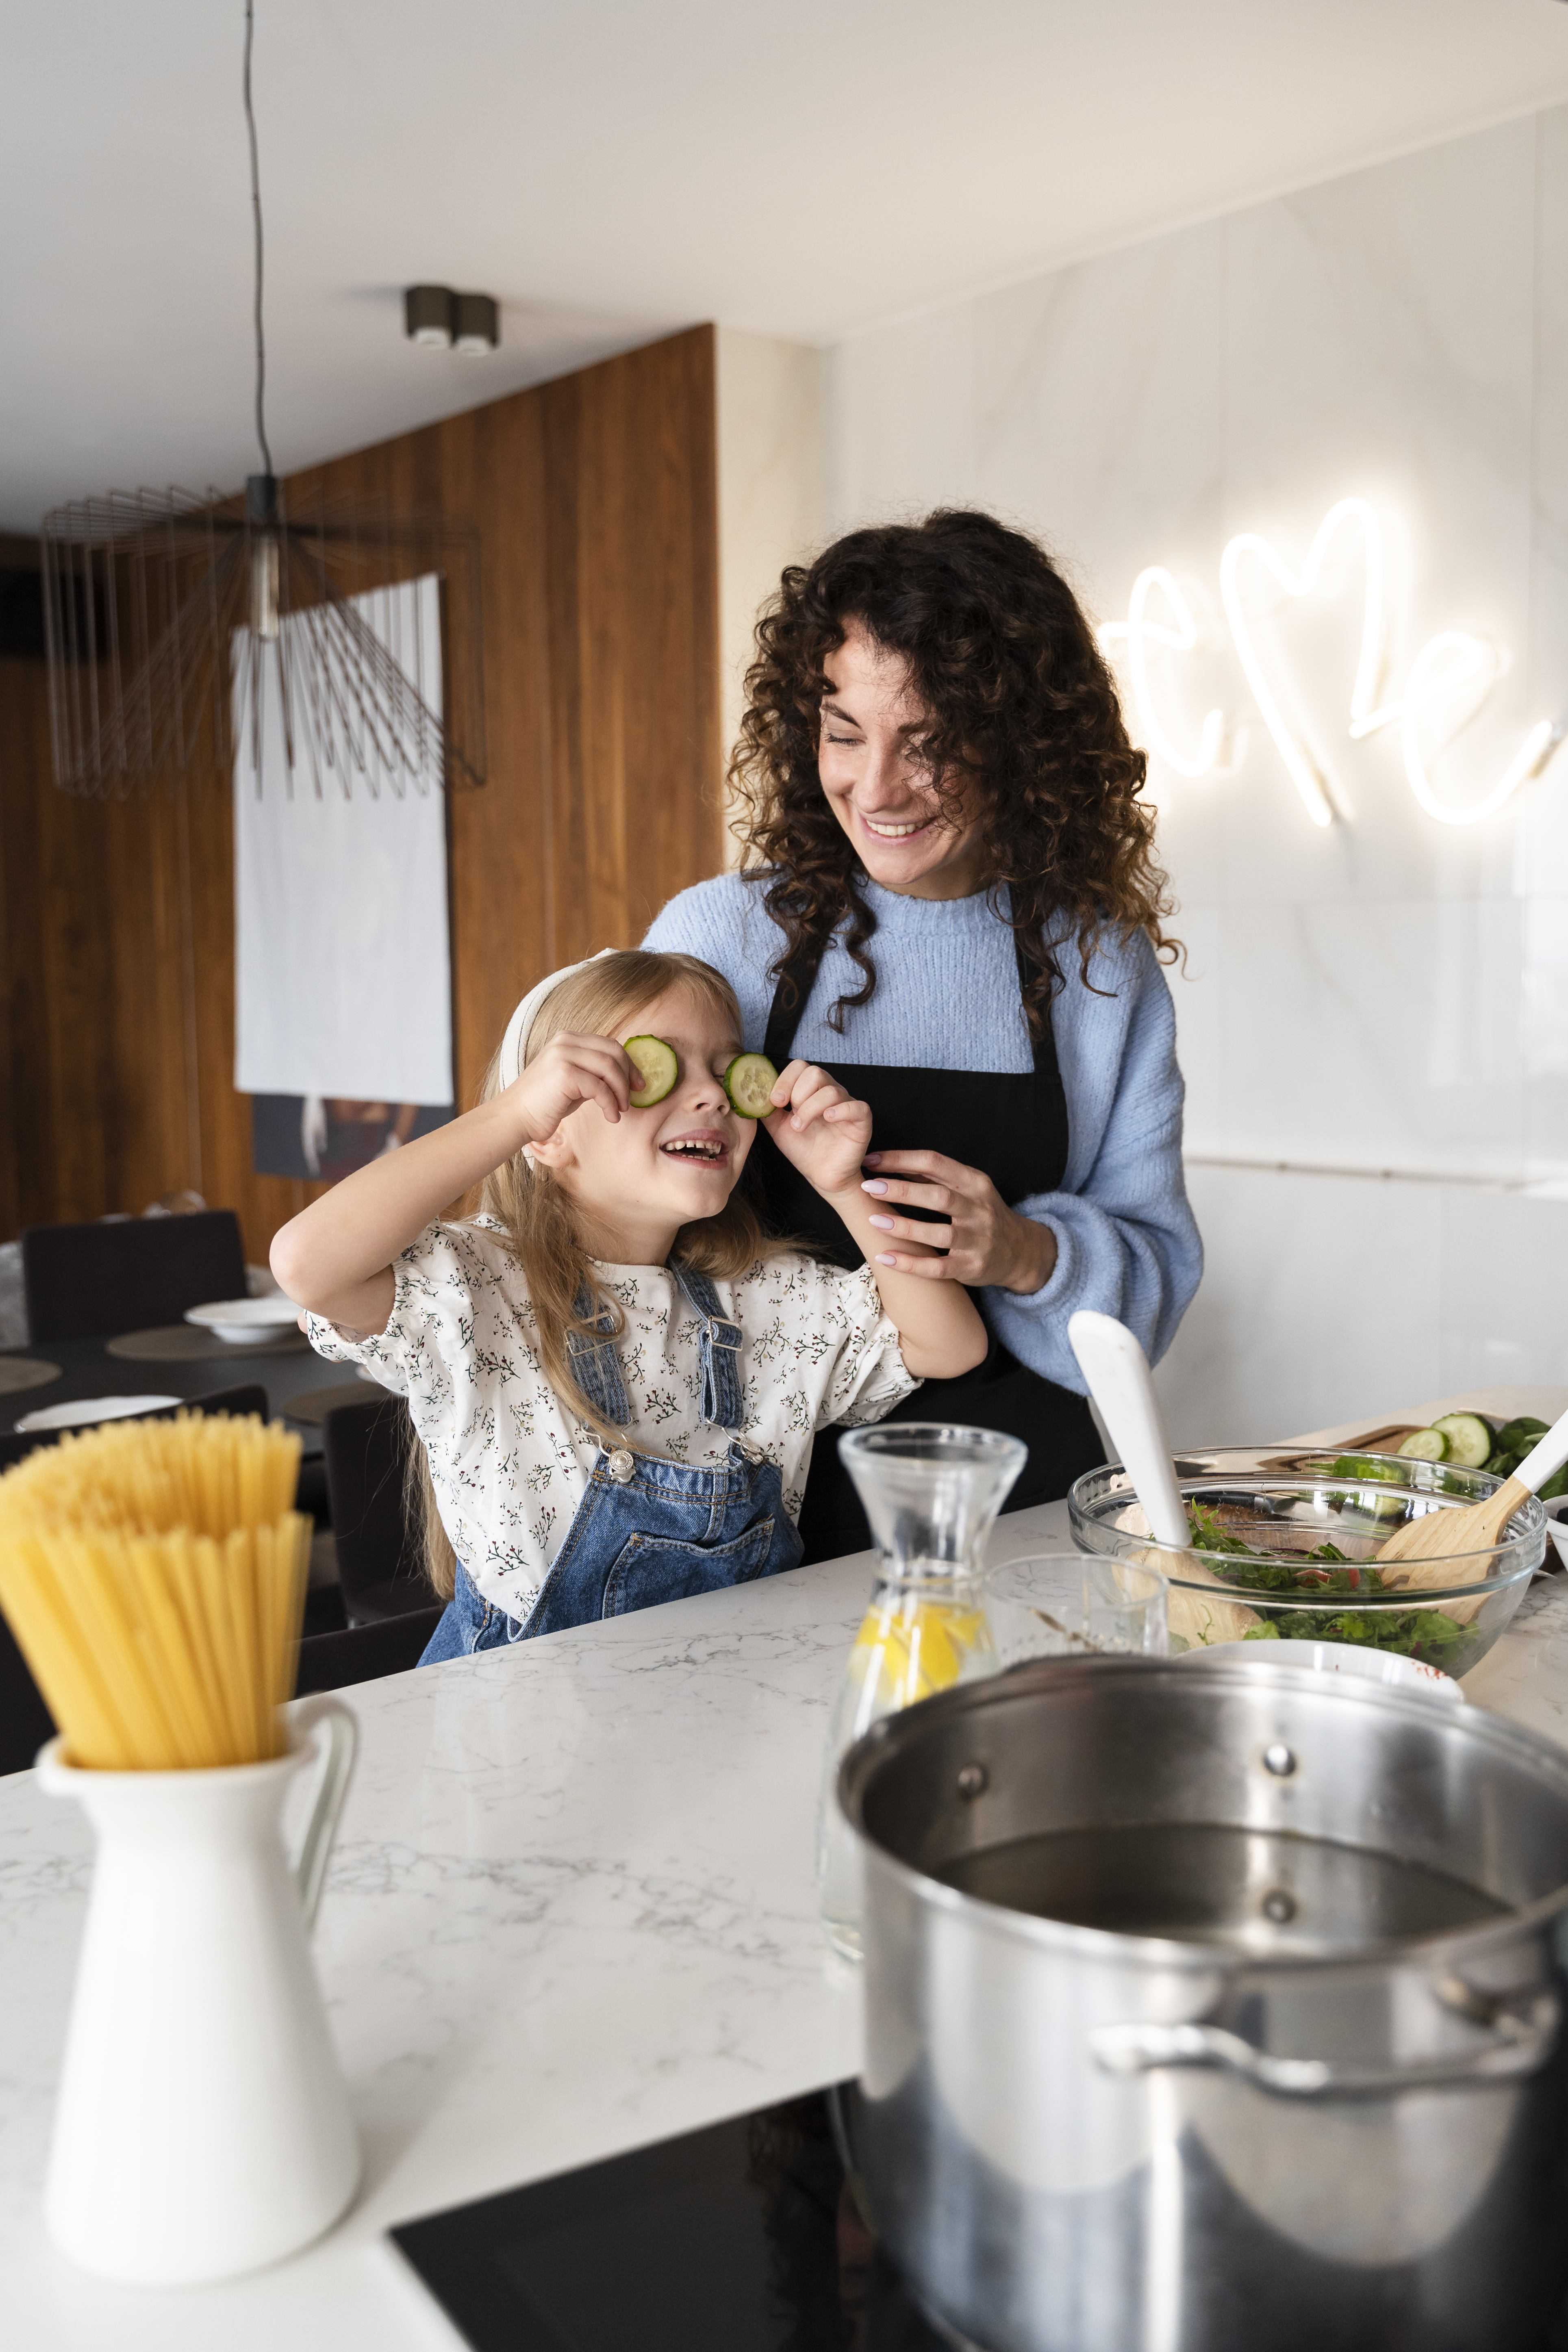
[(1391, 993)]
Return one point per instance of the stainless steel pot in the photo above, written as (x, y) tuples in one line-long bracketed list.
[(1284, 2069)]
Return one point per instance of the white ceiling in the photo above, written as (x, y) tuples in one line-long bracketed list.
[(612, 169)]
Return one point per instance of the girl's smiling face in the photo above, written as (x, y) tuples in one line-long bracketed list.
[(637, 1181)]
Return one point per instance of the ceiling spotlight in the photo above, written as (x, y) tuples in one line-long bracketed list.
[(435, 316), (427, 315), (476, 322)]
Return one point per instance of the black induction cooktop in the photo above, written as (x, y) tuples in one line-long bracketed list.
[(745, 2237)]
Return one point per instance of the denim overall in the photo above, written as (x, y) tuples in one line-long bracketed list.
[(646, 1531)]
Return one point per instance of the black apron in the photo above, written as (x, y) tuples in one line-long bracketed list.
[(1012, 1125)]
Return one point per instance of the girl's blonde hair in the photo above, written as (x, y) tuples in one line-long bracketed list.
[(535, 1214)]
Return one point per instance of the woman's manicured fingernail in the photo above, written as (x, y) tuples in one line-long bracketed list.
[(794, 1123), (872, 1159), (876, 1185), (887, 1261), (883, 1224)]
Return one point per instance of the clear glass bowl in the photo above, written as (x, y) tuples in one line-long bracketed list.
[(1287, 1504)]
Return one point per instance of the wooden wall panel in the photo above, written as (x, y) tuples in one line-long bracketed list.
[(596, 499)]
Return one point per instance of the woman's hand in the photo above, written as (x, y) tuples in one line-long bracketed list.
[(986, 1242), (820, 1129)]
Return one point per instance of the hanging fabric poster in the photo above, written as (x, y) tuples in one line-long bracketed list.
[(342, 994)]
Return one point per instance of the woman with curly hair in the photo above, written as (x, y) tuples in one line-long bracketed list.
[(949, 901)]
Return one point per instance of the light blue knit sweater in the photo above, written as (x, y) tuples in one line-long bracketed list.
[(947, 999)]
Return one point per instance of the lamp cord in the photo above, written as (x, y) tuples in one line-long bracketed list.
[(256, 207)]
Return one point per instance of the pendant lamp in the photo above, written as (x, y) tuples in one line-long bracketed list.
[(239, 633)]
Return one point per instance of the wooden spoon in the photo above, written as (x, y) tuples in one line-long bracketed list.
[(1424, 1546), (1117, 1372)]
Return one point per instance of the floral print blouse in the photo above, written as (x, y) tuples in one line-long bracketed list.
[(510, 1463)]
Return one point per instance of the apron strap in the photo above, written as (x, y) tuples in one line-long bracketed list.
[(721, 1342), (785, 1012), (596, 1363)]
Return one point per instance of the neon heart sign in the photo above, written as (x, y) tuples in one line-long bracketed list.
[(1446, 665)]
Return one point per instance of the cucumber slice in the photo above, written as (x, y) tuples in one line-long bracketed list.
[(658, 1064), (749, 1082), (1471, 1439), (1425, 1445)]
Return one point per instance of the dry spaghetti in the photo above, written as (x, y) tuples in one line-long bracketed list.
[(153, 1573)]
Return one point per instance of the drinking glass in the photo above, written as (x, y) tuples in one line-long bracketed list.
[(1071, 1605)]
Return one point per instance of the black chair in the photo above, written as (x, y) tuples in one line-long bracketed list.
[(25, 1721), (365, 1653), (94, 1281), (381, 1561)]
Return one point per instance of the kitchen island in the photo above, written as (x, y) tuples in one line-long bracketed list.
[(571, 1910)]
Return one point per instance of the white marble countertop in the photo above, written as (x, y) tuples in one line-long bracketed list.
[(571, 1910)]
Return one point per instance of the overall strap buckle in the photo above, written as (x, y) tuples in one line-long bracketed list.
[(596, 1363), (721, 1343)]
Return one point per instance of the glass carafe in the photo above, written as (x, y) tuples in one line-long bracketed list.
[(930, 1492)]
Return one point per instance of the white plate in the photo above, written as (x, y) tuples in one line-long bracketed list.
[(87, 1409), (1345, 1658), (237, 1319)]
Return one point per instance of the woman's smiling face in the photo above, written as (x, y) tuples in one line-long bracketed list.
[(868, 759)]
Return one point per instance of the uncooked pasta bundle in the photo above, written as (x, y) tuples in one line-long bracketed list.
[(153, 1573)]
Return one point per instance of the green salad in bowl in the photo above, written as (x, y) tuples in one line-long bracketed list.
[(1285, 1549)]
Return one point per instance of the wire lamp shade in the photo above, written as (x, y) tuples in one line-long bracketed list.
[(180, 632)]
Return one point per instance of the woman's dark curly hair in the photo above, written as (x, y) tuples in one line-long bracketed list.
[(1023, 713)]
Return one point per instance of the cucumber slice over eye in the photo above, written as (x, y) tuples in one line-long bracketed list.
[(1471, 1439), (656, 1061), (1425, 1445), (749, 1082)]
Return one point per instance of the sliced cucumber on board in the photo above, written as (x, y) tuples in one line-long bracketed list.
[(658, 1064), (1470, 1440), (1425, 1445), (749, 1082)]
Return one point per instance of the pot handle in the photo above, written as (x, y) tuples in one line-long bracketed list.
[(330, 1715), (1521, 2041)]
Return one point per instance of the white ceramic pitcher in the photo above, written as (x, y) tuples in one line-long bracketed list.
[(202, 2128)]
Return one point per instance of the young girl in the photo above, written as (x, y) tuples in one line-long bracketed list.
[(615, 1379)]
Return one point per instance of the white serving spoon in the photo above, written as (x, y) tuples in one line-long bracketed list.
[(1117, 1371)]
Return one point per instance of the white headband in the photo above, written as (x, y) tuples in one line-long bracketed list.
[(514, 1044)]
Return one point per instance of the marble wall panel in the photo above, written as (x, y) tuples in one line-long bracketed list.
[(1389, 994), (1098, 409), (901, 421), (1318, 1304), (1380, 341), (1327, 1298), (1401, 333), (1367, 1037), (1540, 875), (1504, 1308)]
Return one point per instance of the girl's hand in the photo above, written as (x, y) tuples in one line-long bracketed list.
[(571, 1070), (820, 1129), (986, 1242)]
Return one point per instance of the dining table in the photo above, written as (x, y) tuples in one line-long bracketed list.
[(571, 1911), (91, 1368)]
